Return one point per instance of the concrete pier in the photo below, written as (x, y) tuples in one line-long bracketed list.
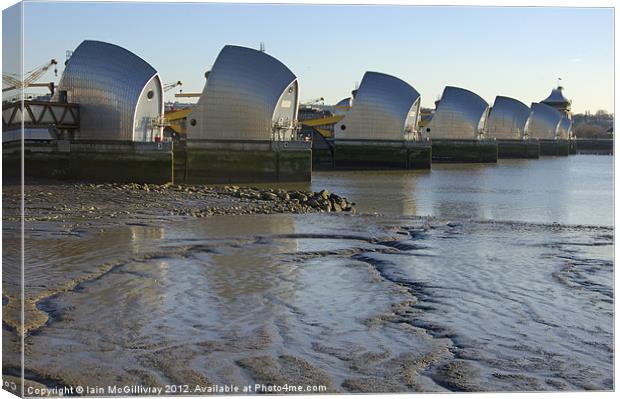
[(96, 161), (322, 159), (518, 148), (226, 161), (464, 151), (381, 154), (572, 147), (322, 152), (594, 146), (124, 162), (554, 147)]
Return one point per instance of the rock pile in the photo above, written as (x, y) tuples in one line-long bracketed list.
[(81, 204), (299, 200), (202, 201)]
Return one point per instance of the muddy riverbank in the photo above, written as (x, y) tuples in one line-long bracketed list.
[(84, 203), (134, 293), (351, 304)]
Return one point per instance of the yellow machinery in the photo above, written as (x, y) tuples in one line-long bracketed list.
[(178, 120), (425, 118), (315, 123)]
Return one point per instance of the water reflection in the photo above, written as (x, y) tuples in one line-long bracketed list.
[(178, 286), (568, 190), (194, 299), (250, 265), (387, 192), (226, 299)]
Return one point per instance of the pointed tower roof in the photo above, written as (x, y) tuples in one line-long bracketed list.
[(556, 98)]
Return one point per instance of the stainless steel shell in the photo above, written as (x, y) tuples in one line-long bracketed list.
[(385, 108), (345, 102), (343, 106), (507, 118), (249, 95), (461, 114), (564, 128), (543, 122), (120, 94)]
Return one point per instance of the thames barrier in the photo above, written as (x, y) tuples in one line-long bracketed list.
[(249, 125), (306, 199)]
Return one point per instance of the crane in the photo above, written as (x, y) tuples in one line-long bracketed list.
[(170, 86), (181, 94), (14, 83)]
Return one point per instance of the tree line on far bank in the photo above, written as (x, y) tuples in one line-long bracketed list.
[(598, 125)]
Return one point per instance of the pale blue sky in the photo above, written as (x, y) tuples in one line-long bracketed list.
[(518, 52)]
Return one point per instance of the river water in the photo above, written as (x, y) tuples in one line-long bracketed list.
[(507, 286), (571, 190)]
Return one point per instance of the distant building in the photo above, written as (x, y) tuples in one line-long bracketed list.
[(308, 112), (558, 101)]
